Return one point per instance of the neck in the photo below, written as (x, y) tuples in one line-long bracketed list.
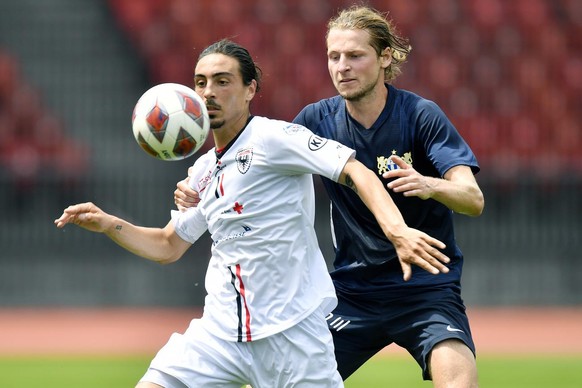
[(367, 109), (223, 141), (225, 134)]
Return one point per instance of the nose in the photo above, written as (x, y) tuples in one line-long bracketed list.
[(208, 92), (343, 64)]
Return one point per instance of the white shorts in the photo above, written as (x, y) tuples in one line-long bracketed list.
[(301, 356)]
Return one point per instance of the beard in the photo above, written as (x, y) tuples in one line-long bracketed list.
[(216, 123), (358, 94)]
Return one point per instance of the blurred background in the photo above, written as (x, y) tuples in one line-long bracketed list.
[(508, 73)]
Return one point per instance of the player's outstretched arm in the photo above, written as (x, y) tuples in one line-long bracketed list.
[(412, 246), (161, 245)]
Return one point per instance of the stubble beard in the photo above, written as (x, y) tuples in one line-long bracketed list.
[(358, 94)]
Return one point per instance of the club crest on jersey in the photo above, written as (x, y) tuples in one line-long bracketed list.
[(385, 164), (316, 142), (243, 159)]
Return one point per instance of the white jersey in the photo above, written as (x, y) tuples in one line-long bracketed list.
[(266, 272)]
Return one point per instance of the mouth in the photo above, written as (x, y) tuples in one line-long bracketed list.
[(212, 109), (346, 80)]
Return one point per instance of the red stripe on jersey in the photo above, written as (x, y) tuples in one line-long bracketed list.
[(247, 312), (220, 184)]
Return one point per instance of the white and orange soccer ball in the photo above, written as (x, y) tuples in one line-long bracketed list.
[(170, 122)]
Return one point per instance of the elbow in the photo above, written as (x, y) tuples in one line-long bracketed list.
[(478, 206), (472, 206), (164, 261), (170, 250), (168, 258), (476, 212)]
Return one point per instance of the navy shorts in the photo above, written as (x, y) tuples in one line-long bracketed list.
[(417, 320)]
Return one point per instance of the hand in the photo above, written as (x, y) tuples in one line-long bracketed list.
[(184, 196), (418, 248), (85, 215), (408, 181)]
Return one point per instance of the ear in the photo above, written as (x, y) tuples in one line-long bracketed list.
[(386, 57), (251, 90)]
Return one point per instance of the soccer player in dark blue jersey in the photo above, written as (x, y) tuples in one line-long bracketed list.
[(429, 171)]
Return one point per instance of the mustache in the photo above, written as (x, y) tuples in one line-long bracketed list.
[(211, 104)]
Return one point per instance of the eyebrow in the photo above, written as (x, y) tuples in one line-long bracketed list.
[(351, 50), (215, 75)]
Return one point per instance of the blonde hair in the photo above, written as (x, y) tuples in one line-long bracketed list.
[(382, 33)]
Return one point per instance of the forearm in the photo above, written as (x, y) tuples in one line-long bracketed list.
[(372, 192), (458, 189), (460, 197), (155, 244)]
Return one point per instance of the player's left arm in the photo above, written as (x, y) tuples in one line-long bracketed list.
[(458, 190)]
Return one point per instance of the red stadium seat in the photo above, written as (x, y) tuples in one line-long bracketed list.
[(518, 61)]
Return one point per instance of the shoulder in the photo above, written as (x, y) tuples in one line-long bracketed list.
[(414, 105), (318, 111), (326, 106), (271, 134), (267, 127), (205, 158)]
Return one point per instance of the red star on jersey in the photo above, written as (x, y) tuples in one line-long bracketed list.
[(237, 207)]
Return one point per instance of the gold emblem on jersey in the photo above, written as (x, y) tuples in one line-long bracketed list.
[(385, 164)]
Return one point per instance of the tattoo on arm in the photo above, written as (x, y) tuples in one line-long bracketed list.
[(350, 183), (118, 227)]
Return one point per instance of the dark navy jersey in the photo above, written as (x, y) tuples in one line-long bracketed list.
[(418, 131)]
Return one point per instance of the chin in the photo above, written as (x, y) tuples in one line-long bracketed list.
[(216, 124), (353, 97)]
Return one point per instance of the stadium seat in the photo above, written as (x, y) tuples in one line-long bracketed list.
[(487, 57)]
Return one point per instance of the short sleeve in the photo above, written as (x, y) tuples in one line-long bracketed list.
[(296, 149), (444, 146), (189, 225)]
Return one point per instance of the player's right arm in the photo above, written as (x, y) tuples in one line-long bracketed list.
[(161, 245)]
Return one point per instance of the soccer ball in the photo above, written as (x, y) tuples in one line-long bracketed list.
[(170, 122)]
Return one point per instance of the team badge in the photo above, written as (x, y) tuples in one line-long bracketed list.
[(385, 164), (243, 159)]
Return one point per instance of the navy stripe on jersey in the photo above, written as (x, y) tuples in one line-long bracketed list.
[(244, 317), (219, 191)]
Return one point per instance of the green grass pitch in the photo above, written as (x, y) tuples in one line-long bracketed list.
[(535, 371)]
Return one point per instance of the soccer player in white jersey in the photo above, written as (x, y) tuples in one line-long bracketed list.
[(268, 289)]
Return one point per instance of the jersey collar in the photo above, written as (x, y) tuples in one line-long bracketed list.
[(220, 152)]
